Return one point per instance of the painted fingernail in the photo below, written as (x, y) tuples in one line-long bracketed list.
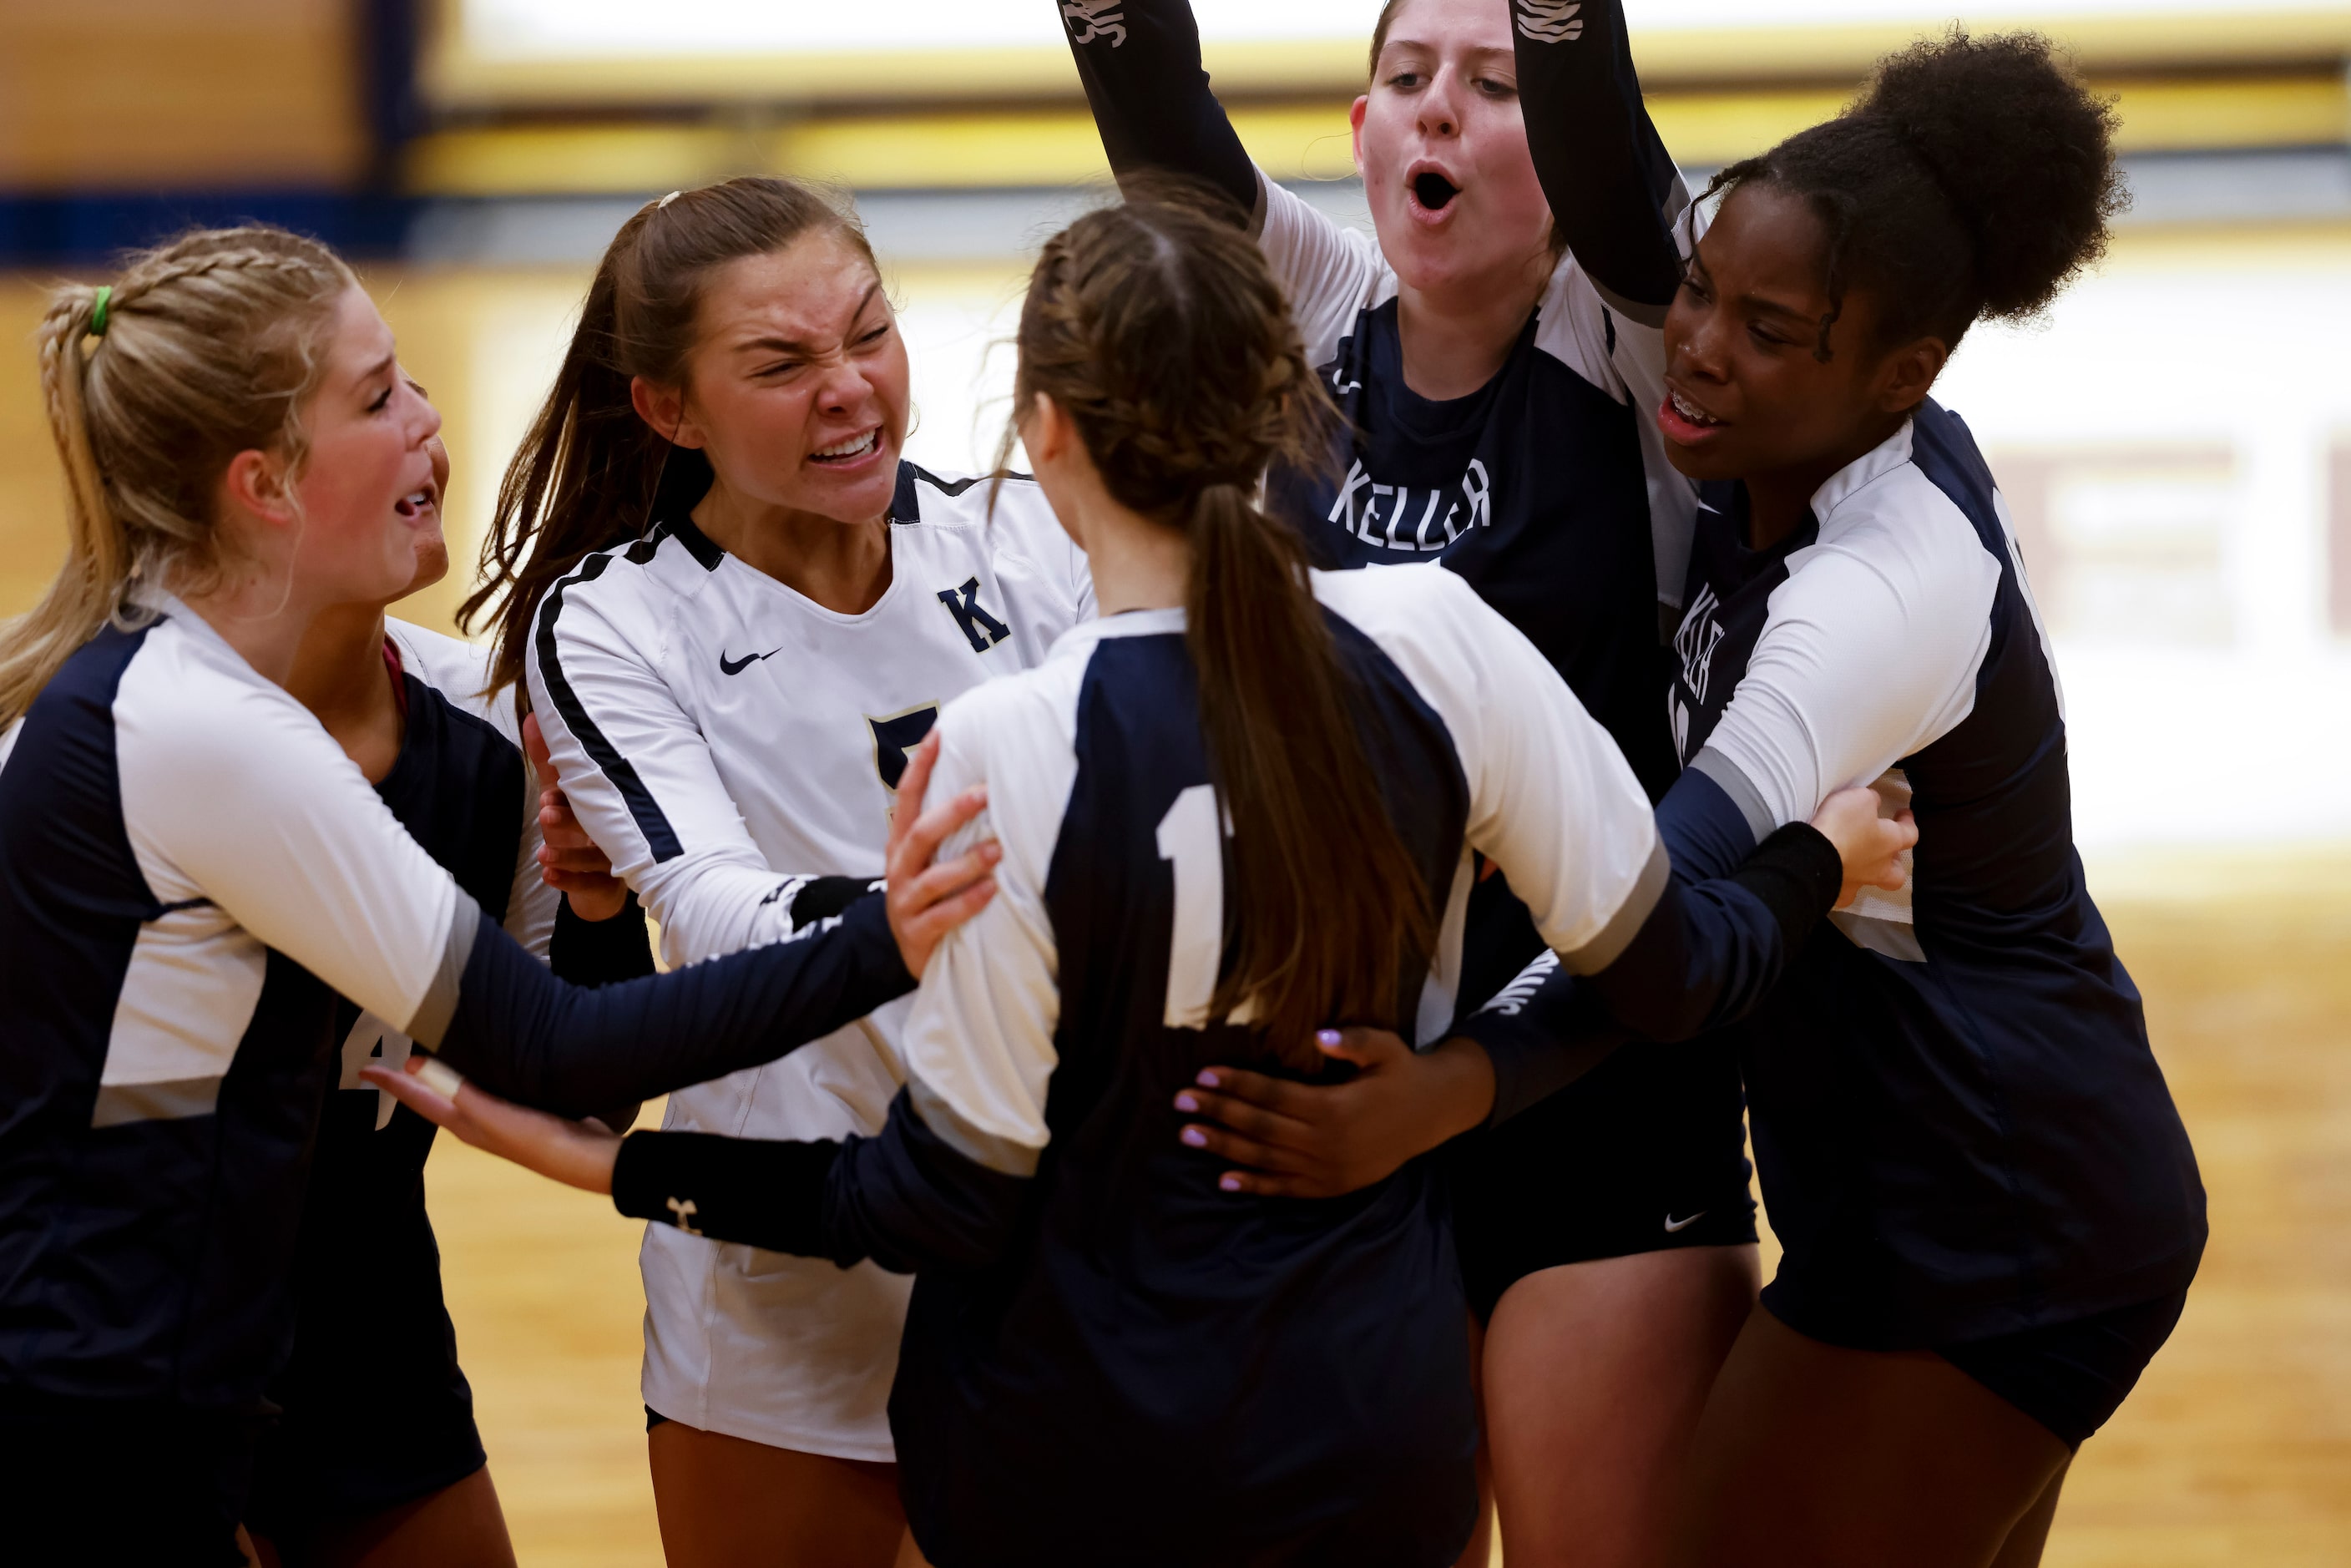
[(1206, 1080), (1195, 1138), (1327, 1038), (1187, 1103), (1230, 1183)]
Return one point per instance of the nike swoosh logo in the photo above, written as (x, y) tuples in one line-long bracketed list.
[(727, 666), (1673, 1225)]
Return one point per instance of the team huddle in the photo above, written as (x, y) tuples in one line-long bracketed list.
[(1214, 994)]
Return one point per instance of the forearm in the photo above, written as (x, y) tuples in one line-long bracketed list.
[(594, 952), (1614, 189), (905, 1198), (1540, 1033), (530, 1038), (1707, 952), (1151, 98)]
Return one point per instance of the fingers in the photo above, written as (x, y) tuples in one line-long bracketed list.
[(1263, 1159), (1278, 1094), (916, 782), (941, 881), (1364, 1047), (916, 848), (1240, 1117), (435, 1107), (924, 930)]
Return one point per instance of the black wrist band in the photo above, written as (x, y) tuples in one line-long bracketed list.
[(764, 1192), (1797, 875)]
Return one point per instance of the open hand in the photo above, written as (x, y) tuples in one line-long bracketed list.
[(1870, 840), (927, 900), (577, 1153), (1308, 1140), (568, 858)]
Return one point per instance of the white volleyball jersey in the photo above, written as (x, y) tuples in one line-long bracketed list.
[(723, 738)]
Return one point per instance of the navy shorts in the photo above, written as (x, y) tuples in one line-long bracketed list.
[(1645, 1153), (2072, 1377), (121, 1483)]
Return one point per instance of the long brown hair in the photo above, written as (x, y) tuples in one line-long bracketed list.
[(210, 345), (585, 476), (1159, 327)]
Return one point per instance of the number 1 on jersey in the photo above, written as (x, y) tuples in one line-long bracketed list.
[(1190, 837)]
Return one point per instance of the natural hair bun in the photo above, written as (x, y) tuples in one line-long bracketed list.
[(2019, 146)]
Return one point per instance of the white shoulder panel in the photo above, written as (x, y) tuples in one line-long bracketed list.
[(1330, 271), (1870, 649)]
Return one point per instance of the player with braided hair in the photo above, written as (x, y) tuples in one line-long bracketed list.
[(1239, 805), (192, 869)]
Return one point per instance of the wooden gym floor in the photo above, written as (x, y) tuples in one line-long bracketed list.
[(2235, 1449)]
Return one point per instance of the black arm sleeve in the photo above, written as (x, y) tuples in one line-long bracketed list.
[(1140, 62), (530, 1037), (1612, 187), (598, 952), (1706, 954), (905, 1198)]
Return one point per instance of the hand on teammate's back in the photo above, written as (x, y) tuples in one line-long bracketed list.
[(577, 1153), (1870, 844), (568, 858), (927, 900), (1321, 1140)]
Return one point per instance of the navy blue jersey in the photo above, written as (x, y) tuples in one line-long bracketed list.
[(1961, 1129), (1547, 488), (1280, 1375), (180, 844)]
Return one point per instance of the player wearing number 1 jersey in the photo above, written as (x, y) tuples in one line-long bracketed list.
[(730, 664), (1239, 807)]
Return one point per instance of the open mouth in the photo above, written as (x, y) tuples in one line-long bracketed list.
[(1691, 412), (417, 503), (1433, 190), (848, 451)]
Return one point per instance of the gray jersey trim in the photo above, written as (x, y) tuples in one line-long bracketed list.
[(1626, 923), (1739, 788), (440, 1003), (997, 1154), (170, 1099)]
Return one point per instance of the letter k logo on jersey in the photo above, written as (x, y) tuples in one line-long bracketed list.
[(984, 630)]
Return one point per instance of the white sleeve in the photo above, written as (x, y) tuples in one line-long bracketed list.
[(639, 776), (1329, 271), (248, 803), (1552, 800), (978, 1045), (1869, 652)]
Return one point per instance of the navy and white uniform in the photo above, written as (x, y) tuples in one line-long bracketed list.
[(1547, 490), (1962, 1132), (375, 1409), (1284, 1380), (180, 847), (723, 738)]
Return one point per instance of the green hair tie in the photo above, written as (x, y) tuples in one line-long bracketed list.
[(98, 310)]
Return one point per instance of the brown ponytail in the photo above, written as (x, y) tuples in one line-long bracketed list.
[(211, 345), (1158, 327), (585, 476)]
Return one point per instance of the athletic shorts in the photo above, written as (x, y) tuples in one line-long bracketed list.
[(121, 1483), (1645, 1153), (2072, 1377), (361, 1450)]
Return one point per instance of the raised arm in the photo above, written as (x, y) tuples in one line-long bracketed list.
[(1140, 62), (1614, 189)]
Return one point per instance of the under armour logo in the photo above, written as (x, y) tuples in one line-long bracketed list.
[(984, 630), (685, 1212), (1551, 21), (896, 736), (1099, 18)]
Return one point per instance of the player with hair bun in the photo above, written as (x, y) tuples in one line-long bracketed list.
[(1990, 1210)]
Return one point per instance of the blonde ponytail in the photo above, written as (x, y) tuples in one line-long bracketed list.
[(210, 345)]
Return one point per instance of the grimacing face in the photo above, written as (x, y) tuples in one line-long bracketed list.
[(1443, 151), (798, 388)]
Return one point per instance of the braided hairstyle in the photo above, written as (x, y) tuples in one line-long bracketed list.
[(1974, 177), (1159, 329), (212, 344)]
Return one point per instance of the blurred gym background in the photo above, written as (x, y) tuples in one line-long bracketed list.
[(2175, 441)]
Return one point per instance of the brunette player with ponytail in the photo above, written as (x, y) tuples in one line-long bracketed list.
[(1241, 804)]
